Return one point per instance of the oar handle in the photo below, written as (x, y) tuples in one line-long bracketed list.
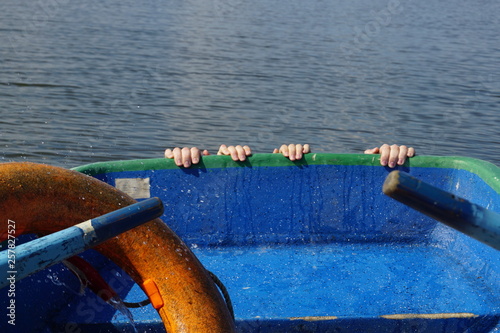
[(18, 262), (460, 214)]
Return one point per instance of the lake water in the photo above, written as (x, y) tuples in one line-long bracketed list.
[(89, 81)]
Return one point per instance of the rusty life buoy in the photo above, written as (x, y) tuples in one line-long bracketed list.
[(42, 199)]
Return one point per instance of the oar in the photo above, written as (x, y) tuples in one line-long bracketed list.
[(460, 214), (18, 262)]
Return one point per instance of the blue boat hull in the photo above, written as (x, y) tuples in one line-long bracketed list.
[(310, 246)]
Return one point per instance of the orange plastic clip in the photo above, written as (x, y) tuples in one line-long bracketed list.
[(153, 293)]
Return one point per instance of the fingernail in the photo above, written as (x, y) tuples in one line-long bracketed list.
[(383, 162), (392, 164)]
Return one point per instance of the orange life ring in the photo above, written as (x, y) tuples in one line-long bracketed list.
[(43, 199)]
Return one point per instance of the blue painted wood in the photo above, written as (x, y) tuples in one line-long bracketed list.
[(46, 251), (458, 213)]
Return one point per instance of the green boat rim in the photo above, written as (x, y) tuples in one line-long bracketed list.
[(489, 172)]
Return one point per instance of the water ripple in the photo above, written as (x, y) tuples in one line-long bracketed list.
[(92, 81)]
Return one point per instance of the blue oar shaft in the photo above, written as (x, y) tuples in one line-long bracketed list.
[(460, 214), (43, 252)]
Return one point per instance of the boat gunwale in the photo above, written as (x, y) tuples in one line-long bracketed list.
[(488, 172)]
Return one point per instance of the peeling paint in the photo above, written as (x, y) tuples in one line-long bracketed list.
[(314, 318), (430, 315), (88, 231), (137, 188)]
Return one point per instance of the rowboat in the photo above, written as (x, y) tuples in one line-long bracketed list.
[(304, 246)]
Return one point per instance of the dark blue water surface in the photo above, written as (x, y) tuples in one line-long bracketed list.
[(88, 81)]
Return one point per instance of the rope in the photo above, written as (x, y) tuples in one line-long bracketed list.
[(223, 291), (137, 304)]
